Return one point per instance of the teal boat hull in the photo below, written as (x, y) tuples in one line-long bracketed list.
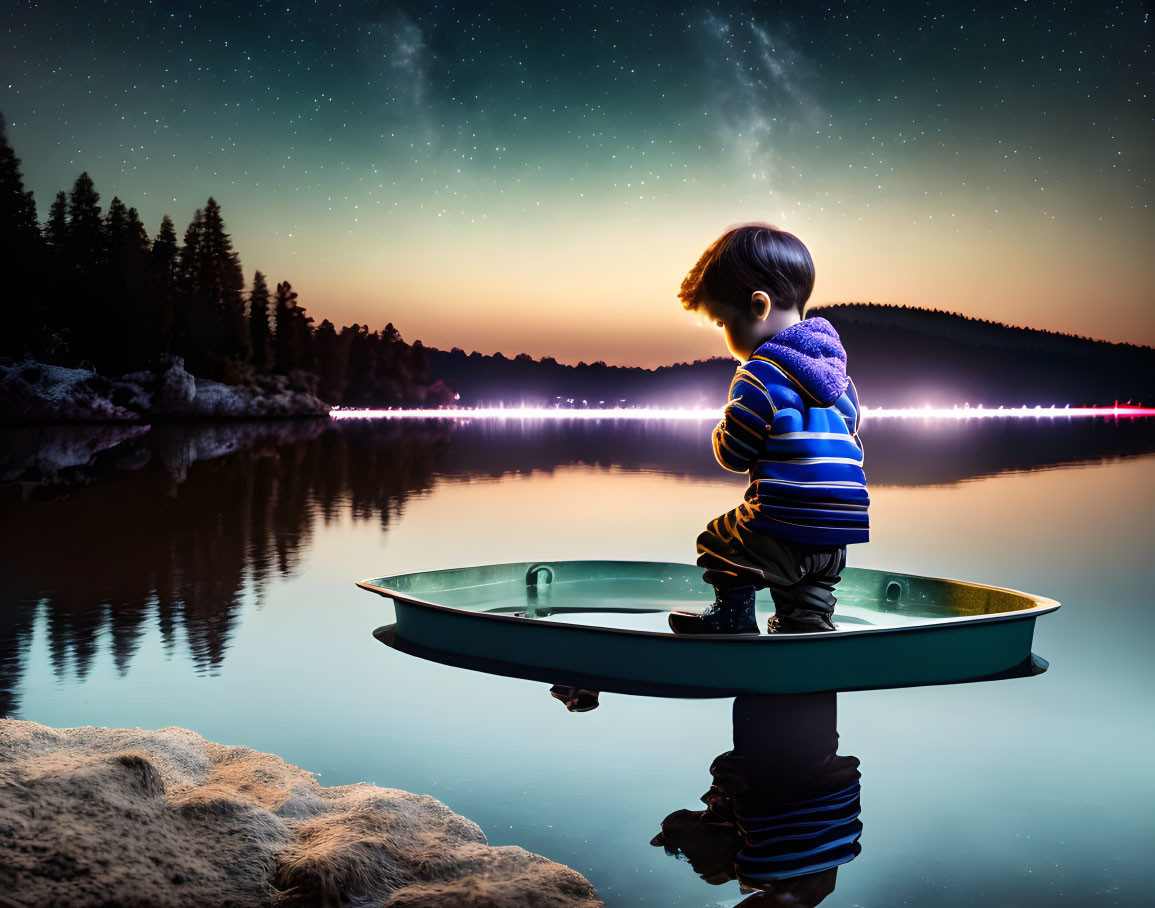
[(522, 620)]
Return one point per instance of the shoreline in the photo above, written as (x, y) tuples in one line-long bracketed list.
[(37, 394), (97, 815)]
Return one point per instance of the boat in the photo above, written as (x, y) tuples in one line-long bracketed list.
[(602, 625)]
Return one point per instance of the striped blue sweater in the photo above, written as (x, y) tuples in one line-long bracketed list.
[(792, 424), (801, 838)]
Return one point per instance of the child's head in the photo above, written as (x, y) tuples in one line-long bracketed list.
[(744, 260)]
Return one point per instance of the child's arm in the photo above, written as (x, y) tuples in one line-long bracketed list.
[(740, 438), (852, 395)]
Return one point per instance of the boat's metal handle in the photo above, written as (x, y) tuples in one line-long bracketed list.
[(532, 578)]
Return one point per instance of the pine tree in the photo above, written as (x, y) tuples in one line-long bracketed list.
[(359, 374), (19, 229), (188, 267), (332, 362), (165, 256), (109, 317), (54, 330), (25, 315), (259, 333), (239, 344), (127, 333), (196, 323), (136, 235), (85, 228), (294, 340), (287, 355), (84, 292), (56, 227), (116, 223), (221, 284)]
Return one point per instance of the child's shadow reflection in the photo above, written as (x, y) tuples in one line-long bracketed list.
[(783, 810)]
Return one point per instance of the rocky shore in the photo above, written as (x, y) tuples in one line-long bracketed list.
[(32, 392), (98, 816)]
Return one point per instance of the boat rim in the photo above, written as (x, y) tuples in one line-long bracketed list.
[(1042, 606)]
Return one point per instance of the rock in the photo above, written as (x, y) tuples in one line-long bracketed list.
[(32, 393), (180, 395), (97, 816), (176, 390)]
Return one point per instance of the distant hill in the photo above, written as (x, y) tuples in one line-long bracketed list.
[(902, 356), (898, 356)]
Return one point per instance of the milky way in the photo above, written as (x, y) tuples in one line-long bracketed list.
[(539, 177)]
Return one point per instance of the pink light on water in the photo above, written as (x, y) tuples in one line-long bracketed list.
[(980, 412), (701, 414), (640, 413)]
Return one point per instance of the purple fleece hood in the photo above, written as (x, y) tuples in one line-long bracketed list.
[(811, 351)]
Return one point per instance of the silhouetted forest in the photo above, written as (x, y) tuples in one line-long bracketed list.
[(497, 379), (90, 287)]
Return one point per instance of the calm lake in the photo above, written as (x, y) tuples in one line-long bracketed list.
[(203, 577)]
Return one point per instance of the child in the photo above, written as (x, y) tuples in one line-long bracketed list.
[(792, 423)]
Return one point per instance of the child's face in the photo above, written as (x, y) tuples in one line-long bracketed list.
[(747, 329), (742, 330)]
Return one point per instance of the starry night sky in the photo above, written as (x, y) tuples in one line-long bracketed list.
[(539, 177)]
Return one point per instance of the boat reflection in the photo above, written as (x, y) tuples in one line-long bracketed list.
[(782, 810)]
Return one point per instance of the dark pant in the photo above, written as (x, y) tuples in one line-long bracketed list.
[(801, 578)]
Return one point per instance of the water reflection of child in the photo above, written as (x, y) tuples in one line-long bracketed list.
[(792, 424), (782, 813)]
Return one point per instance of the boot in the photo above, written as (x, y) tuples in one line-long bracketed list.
[(731, 613), (799, 622)]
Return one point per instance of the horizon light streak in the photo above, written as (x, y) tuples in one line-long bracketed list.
[(701, 414)]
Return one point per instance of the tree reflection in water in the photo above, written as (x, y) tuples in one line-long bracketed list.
[(200, 515)]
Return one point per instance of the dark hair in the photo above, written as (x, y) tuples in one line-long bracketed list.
[(746, 258)]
